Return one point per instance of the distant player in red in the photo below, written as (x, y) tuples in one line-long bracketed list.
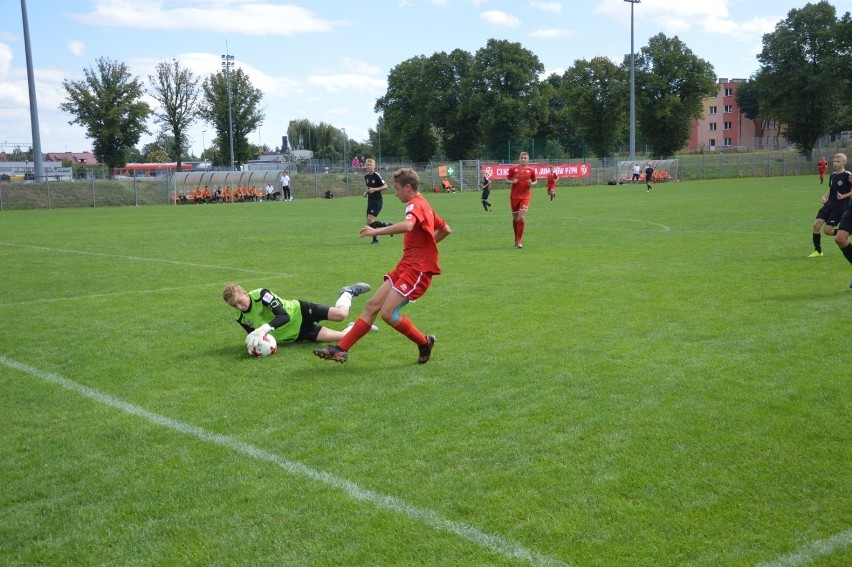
[(522, 177), (552, 178), (822, 167), (423, 230)]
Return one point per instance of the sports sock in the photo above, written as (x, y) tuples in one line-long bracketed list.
[(359, 329), (345, 301), (515, 229), (847, 252), (817, 245), (521, 225), (407, 328)]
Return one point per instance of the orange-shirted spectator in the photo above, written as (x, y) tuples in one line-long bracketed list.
[(198, 195), (448, 187), (206, 194), (227, 195)]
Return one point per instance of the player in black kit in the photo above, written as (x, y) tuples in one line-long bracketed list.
[(842, 179), (375, 186), (828, 217)]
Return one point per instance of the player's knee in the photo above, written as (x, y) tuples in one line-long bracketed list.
[(841, 238)]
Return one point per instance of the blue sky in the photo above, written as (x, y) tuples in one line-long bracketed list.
[(327, 61)]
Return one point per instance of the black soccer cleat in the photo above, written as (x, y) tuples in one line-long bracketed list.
[(356, 289), (426, 350)]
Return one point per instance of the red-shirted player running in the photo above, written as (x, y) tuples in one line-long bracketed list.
[(423, 229), (522, 177)]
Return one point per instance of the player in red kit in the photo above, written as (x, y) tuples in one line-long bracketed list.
[(423, 230), (822, 167), (552, 178), (522, 177)]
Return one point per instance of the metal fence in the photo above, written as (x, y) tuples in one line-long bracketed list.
[(338, 179)]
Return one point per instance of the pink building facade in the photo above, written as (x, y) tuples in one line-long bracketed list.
[(724, 128)]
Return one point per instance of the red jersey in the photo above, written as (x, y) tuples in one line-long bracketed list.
[(524, 175), (551, 181), (822, 165), (419, 249)]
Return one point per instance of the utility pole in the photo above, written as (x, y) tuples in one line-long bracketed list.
[(38, 162)]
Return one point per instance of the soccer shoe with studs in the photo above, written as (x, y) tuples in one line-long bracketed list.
[(814, 254), (356, 289), (334, 353), (426, 350)]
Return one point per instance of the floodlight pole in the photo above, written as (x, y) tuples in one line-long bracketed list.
[(227, 64), (38, 163), (632, 86)]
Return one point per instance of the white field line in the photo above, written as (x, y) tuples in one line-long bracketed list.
[(96, 295), (491, 542), (143, 259), (812, 551)]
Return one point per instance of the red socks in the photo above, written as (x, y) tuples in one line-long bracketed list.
[(407, 328), (358, 330)]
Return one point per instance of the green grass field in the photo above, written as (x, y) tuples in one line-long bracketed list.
[(655, 379)]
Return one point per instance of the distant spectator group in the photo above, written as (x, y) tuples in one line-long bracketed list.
[(202, 195)]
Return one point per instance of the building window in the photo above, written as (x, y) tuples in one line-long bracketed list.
[(729, 92), (728, 142), (712, 142), (712, 110), (728, 125), (712, 126), (729, 108)]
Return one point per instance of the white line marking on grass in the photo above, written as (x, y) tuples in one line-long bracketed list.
[(813, 550), (96, 295), (491, 542), (143, 259), (664, 227)]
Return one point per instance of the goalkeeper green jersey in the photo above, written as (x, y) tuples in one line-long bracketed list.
[(284, 315)]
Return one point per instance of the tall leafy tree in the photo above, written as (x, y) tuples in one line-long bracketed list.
[(452, 104), (748, 99), (245, 111), (804, 74), (598, 91), (383, 142), (406, 105), (176, 89), (671, 85), (108, 103), (509, 95)]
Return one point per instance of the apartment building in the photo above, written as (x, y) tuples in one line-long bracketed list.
[(724, 128)]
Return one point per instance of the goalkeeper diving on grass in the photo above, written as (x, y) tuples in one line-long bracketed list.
[(261, 312)]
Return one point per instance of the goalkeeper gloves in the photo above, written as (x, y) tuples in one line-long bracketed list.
[(255, 337)]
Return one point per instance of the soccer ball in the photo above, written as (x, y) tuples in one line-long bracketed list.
[(267, 347)]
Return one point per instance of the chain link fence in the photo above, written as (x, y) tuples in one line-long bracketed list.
[(324, 179)]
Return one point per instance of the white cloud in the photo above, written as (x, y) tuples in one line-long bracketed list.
[(551, 33), (259, 19), (547, 6), (499, 18), (77, 48)]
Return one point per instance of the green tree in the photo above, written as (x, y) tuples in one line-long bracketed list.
[(804, 74), (176, 89), (108, 104), (748, 99), (598, 90), (153, 152), (671, 86), (507, 92), (246, 115), (452, 104), (383, 142), (405, 107)]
